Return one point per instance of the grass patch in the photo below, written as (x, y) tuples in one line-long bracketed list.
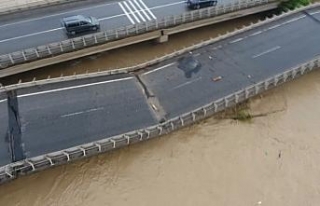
[(292, 4)]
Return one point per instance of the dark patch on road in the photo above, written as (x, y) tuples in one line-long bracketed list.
[(14, 134), (189, 65)]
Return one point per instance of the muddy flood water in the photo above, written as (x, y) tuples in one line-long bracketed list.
[(271, 160)]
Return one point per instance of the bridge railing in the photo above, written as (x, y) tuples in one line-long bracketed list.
[(41, 162), (78, 43)]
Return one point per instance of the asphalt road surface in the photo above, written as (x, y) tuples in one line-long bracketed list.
[(241, 61), (61, 115), (43, 26)]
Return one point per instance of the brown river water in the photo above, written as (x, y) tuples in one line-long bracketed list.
[(270, 160)]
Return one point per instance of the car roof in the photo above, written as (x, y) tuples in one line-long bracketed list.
[(74, 18)]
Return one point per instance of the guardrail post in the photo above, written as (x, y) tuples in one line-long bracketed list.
[(84, 41), (50, 160), (204, 111), (61, 48), (66, 154), (266, 84), (127, 137), (37, 53), (95, 39), (236, 97), (215, 107), (160, 130), (99, 146), (256, 89), (226, 102), (116, 34), (106, 36), (11, 59), (49, 50), (275, 81), (83, 150), (172, 125), (182, 121), (140, 134), (31, 164), (293, 73), (148, 134), (193, 116), (246, 93), (114, 143), (72, 43), (24, 56)]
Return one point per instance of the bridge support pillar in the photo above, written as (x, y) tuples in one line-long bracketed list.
[(163, 37)]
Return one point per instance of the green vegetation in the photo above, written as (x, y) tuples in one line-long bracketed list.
[(242, 115), (292, 4)]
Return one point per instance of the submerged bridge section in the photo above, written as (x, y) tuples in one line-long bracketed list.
[(52, 122)]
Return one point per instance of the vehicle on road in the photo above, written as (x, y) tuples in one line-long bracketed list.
[(197, 4), (80, 24)]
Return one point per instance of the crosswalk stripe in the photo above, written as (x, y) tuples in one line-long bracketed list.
[(131, 12), (141, 9), (148, 10), (136, 10), (126, 13)]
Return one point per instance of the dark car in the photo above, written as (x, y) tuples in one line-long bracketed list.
[(79, 24), (197, 4)]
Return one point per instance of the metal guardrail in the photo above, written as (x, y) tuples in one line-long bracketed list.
[(78, 43), (30, 165)]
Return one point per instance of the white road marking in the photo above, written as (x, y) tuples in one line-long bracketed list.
[(137, 10), (28, 35), (141, 9), (256, 33), (3, 100), (73, 87), (266, 52), (82, 112), (126, 13), (186, 83), (154, 70), (316, 12), (148, 10), (236, 40), (275, 26), (131, 12), (295, 19)]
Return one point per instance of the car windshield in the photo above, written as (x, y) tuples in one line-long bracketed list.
[(88, 19)]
